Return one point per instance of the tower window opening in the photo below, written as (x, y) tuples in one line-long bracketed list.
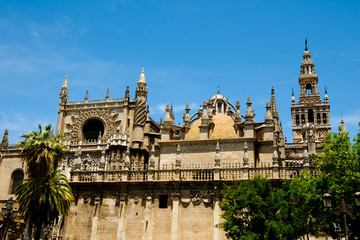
[(318, 116), (302, 118), (307, 69), (324, 117), (16, 179), (297, 119), (308, 89), (310, 115), (163, 201), (219, 105)]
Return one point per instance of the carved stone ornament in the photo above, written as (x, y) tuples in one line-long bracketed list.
[(136, 200), (105, 115), (196, 199)]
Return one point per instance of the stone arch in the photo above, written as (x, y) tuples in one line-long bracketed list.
[(17, 177)]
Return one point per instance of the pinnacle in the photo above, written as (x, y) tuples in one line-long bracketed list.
[(142, 78)]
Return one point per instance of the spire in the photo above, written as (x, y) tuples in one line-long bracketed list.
[(292, 96), (342, 125), (172, 112), (186, 116), (64, 92), (167, 118), (107, 94), (5, 141), (237, 114), (87, 96), (127, 93), (274, 110), (204, 116), (268, 115), (142, 77), (249, 112), (326, 98), (65, 82), (307, 66)]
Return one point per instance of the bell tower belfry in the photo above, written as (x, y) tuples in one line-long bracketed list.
[(310, 111)]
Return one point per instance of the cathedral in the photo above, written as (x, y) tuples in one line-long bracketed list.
[(134, 177)]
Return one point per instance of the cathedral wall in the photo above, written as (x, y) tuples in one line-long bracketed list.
[(161, 221), (265, 155), (195, 222), (8, 164), (203, 153), (137, 215)]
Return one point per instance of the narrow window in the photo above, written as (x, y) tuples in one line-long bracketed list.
[(302, 118), (16, 179), (308, 89), (318, 116), (297, 120), (219, 107), (324, 117), (163, 201), (310, 115)]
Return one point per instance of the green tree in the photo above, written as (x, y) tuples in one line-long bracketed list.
[(253, 209), (340, 176), (41, 151), (54, 199), (304, 205)]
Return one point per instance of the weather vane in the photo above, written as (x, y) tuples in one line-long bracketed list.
[(218, 87)]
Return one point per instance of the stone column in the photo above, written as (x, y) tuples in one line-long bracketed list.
[(147, 230), (120, 234), (175, 216), (217, 212), (94, 224)]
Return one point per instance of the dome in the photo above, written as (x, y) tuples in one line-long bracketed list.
[(223, 128)]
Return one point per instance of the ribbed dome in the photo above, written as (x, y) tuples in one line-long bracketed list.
[(223, 128)]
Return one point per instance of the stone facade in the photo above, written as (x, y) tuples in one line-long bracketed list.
[(135, 178)]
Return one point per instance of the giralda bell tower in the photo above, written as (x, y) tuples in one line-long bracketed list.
[(310, 114)]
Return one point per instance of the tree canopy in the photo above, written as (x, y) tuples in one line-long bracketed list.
[(255, 209), (46, 193)]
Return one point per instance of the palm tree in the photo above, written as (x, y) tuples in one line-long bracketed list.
[(54, 199), (40, 150)]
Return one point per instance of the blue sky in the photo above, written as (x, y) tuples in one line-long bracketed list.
[(187, 48)]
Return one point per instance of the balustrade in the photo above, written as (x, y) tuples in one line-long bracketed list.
[(226, 174)]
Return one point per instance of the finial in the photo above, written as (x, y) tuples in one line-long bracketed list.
[(127, 93), (306, 44), (87, 95), (292, 91), (107, 94), (187, 109), (142, 77), (65, 81), (326, 89), (218, 87), (237, 104)]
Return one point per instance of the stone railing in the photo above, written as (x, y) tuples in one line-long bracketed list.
[(214, 174)]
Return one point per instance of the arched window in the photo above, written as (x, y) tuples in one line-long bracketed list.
[(16, 179), (219, 106), (308, 89)]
